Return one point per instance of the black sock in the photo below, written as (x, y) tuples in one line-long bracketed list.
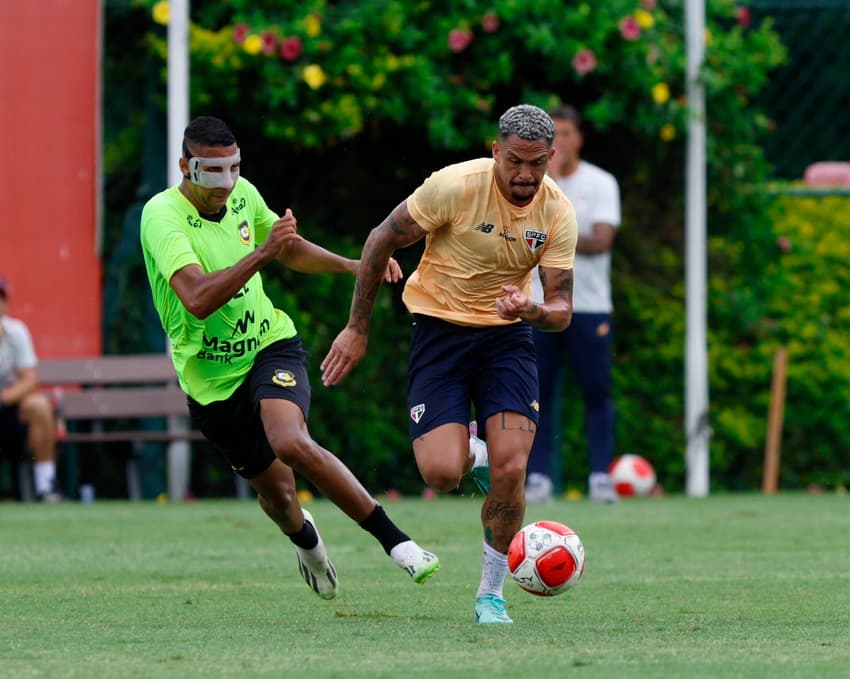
[(384, 530), (306, 538)]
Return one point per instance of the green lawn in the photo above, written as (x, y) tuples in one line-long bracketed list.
[(729, 586)]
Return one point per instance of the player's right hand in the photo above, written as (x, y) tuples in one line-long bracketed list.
[(347, 350), (513, 304), (284, 232)]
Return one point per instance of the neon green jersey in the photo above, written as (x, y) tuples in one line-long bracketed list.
[(211, 356)]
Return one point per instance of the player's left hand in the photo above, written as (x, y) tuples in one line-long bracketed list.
[(393, 274), (347, 350), (513, 304)]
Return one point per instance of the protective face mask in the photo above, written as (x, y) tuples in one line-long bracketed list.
[(224, 175)]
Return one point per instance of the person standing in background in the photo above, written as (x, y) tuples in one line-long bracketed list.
[(26, 414), (588, 340)]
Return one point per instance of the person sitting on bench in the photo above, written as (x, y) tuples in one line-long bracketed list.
[(26, 414)]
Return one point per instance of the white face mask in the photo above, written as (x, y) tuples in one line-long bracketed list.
[(215, 173)]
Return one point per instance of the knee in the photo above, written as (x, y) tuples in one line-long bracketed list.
[(294, 449), (35, 410), (508, 474), (276, 500), (441, 478)]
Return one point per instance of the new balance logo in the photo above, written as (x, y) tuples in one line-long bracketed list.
[(484, 227)]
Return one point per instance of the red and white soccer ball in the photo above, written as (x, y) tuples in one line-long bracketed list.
[(632, 475), (546, 558)]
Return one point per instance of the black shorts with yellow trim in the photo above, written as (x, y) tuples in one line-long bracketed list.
[(233, 426)]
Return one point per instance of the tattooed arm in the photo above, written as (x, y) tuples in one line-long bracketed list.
[(556, 312), (398, 230)]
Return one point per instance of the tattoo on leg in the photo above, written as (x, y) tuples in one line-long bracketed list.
[(503, 512), (529, 425)]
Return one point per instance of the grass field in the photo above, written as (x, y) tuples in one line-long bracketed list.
[(729, 586)]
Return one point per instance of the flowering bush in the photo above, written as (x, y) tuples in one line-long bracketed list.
[(322, 71)]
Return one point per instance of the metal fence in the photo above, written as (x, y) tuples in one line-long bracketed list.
[(809, 97)]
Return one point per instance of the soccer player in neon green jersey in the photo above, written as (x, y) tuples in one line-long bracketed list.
[(240, 360), (486, 223)]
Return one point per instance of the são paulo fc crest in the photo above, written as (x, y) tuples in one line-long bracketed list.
[(416, 412), (534, 239), (245, 233), (284, 378)]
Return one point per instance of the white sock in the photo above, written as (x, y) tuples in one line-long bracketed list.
[(316, 557), (478, 452), (44, 474), (405, 552), (494, 569)]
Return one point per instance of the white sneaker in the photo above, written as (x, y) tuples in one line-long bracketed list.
[(419, 563), (602, 489), (538, 489), (315, 566)]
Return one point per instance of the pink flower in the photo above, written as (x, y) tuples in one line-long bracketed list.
[(630, 28), (648, 5), (290, 48), (742, 14), (459, 39), (269, 42), (490, 22), (240, 32), (584, 61)]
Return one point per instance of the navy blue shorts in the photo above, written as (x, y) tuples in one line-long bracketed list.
[(233, 426), (13, 434), (453, 366)]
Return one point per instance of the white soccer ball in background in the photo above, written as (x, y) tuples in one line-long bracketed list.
[(632, 475), (546, 558)]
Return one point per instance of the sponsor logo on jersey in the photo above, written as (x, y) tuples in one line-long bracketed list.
[(220, 350), (416, 412), (534, 239), (237, 205), (244, 233), (284, 378), (484, 227)]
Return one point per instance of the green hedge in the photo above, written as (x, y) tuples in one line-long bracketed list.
[(791, 291), (778, 276)]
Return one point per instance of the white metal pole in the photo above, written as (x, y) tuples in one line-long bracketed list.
[(179, 452), (178, 83), (697, 429)]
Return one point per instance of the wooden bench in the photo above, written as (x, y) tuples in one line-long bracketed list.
[(129, 387), (124, 390)]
